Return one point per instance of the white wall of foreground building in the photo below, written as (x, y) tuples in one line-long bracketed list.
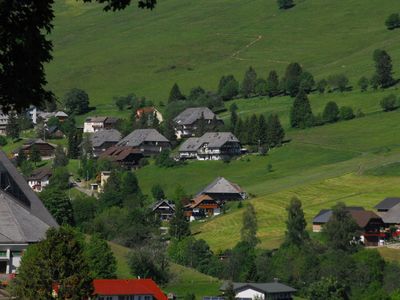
[(10, 257)]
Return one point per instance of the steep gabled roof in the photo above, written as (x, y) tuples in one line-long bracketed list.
[(387, 203), (100, 137), (139, 136), (121, 287), (40, 173), (192, 114), (21, 207), (212, 139), (198, 200), (392, 216), (363, 217), (221, 186), (165, 202)]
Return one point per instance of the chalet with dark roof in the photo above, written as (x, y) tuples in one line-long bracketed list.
[(46, 149), (187, 122), (23, 217), (103, 139), (93, 124), (148, 141), (271, 290), (39, 179), (164, 209), (222, 190), (126, 157), (211, 146), (387, 203), (325, 215)]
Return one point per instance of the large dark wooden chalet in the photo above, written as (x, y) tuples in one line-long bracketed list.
[(45, 149)]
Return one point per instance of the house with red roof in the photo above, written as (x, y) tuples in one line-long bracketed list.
[(127, 289)]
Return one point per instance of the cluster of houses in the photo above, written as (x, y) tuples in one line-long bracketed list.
[(207, 203), (376, 227)]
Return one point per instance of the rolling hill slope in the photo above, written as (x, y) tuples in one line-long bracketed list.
[(195, 42)]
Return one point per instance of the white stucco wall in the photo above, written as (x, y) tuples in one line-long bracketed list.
[(249, 293)]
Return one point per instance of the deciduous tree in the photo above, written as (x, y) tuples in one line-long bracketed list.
[(76, 101), (331, 112), (59, 205), (100, 258), (292, 79)]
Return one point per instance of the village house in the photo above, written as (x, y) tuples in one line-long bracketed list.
[(187, 122), (126, 157), (148, 141), (3, 123), (202, 206), (211, 146), (103, 139), (45, 149), (127, 289), (150, 111), (223, 190), (39, 179), (37, 116), (372, 227), (164, 209), (54, 132), (389, 210), (262, 291), (23, 217), (93, 124), (386, 204)]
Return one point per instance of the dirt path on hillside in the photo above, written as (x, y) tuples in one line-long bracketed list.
[(235, 55)]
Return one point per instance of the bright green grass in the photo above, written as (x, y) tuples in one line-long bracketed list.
[(392, 169), (193, 43), (390, 254), (182, 281)]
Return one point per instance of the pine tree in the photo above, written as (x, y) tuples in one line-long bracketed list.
[(234, 120), (175, 94), (34, 155), (228, 87), (306, 82), (384, 68), (60, 159), (252, 130), (168, 130), (292, 79), (12, 128), (249, 226), (301, 115), (249, 82), (363, 83), (296, 233), (275, 131), (21, 157), (273, 83), (100, 258), (240, 131), (285, 4), (262, 130), (179, 226), (260, 88)]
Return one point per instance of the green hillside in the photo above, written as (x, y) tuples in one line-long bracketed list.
[(195, 42)]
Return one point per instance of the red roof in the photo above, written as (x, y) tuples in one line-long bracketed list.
[(109, 287)]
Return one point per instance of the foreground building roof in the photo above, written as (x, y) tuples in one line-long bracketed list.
[(23, 217), (124, 287), (268, 288)]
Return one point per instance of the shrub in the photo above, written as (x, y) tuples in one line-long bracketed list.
[(338, 82), (3, 141), (389, 103), (346, 113), (331, 112), (285, 4), (393, 21)]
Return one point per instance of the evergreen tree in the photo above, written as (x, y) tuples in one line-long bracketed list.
[(306, 82), (229, 292), (21, 157), (240, 131), (179, 226), (338, 82), (275, 132), (331, 112), (201, 126), (12, 128), (34, 155), (346, 113), (58, 204), (249, 226), (168, 130), (60, 159), (175, 94), (301, 115), (157, 192), (273, 84), (60, 179), (341, 229), (296, 233), (58, 259), (100, 258), (262, 130), (393, 21), (285, 4), (249, 82), (234, 120), (292, 79), (363, 83), (260, 88), (73, 143), (252, 130), (246, 129), (228, 87), (321, 86), (384, 68)]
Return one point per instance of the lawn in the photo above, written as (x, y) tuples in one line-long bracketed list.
[(182, 281), (194, 43)]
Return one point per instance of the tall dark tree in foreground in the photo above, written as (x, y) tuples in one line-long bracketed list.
[(175, 94), (58, 259), (292, 79), (12, 128), (248, 232), (383, 68), (296, 233), (179, 226), (301, 115), (249, 83), (100, 258), (341, 230)]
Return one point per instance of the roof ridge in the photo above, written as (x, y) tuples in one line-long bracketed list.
[(21, 232)]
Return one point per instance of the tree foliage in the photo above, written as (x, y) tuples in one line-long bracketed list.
[(12, 128), (393, 21), (76, 101), (389, 103), (301, 115), (175, 94), (100, 258), (285, 4), (228, 87), (296, 233), (57, 260), (249, 83), (338, 82), (327, 288), (179, 225), (383, 68), (248, 232), (292, 79), (331, 112), (60, 159), (59, 205)]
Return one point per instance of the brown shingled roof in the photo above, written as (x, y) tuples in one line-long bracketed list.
[(362, 217)]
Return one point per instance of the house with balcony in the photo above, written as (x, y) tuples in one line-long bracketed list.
[(103, 139), (211, 146), (150, 112), (188, 121), (126, 157), (93, 124), (39, 179), (164, 209), (24, 219), (202, 206), (148, 141), (223, 190), (46, 150)]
